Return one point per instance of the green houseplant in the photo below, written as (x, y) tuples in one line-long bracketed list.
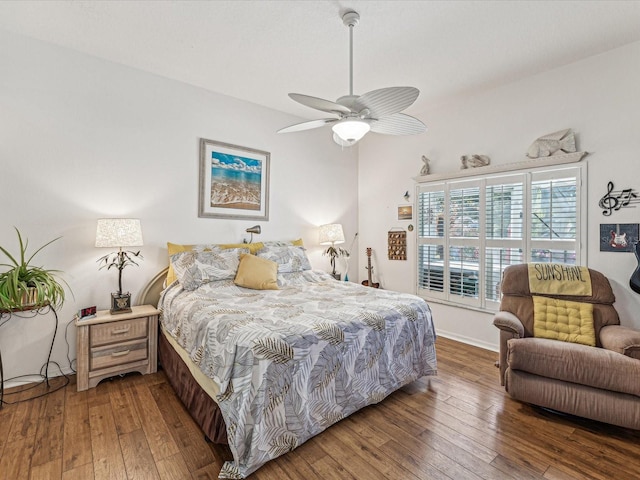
[(25, 286)]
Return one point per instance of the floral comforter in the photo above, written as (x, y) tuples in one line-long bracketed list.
[(293, 361)]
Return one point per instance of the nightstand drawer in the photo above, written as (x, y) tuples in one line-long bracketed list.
[(125, 352), (107, 333)]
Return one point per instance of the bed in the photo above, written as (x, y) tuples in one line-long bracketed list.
[(268, 367)]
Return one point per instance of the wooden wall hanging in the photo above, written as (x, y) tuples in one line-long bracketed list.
[(397, 244)]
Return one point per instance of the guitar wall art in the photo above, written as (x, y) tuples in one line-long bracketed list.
[(618, 237)]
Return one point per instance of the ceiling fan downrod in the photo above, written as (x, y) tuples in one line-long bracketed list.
[(351, 19)]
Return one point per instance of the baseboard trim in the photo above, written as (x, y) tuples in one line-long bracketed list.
[(469, 341), (35, 378)]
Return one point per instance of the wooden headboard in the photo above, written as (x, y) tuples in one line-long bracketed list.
[(150, 295)]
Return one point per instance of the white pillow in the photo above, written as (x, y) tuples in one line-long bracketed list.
[(289, 258), (194, 268)]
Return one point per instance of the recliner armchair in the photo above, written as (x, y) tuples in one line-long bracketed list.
[(600, 383)]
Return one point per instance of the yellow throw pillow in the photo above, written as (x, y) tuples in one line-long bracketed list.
[(257, 273), (563, 320)]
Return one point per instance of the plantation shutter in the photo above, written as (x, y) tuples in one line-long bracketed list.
[(470, 230)]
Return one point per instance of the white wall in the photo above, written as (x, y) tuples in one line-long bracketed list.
[(82, 139), (597, 97)]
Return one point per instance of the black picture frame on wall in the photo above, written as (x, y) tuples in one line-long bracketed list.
[(618, 237)]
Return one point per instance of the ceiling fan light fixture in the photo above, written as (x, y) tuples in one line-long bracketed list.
[(351, 130)]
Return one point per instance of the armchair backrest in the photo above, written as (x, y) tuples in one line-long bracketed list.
[(516, 298)]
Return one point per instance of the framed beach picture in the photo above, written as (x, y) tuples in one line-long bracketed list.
[(234, 181), (405, 212)]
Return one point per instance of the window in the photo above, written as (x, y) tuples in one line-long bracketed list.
[(470, 228)]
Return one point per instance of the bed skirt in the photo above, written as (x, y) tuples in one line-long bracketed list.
[(202, 407)]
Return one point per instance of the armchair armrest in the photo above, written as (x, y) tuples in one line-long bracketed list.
[(510, 327), (507, 321), (621, 339)]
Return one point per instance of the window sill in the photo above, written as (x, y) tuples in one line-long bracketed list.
[(449, 303)]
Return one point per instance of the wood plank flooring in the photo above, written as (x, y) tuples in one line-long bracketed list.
[(458, 425)]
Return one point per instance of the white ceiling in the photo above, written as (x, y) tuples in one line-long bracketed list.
[(261, 50)]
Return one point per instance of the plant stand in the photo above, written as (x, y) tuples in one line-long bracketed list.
[(5, 316)]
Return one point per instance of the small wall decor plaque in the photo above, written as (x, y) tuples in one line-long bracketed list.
[(618, 237), (405, 212), (397, 249), (614, 200)]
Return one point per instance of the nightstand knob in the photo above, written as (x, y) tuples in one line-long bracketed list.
[(121, 331)]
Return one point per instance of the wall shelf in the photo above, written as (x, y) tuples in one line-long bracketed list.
[(507, 167)]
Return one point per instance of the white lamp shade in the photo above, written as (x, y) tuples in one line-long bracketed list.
[(351, 130), (119, 232), (331, 234)]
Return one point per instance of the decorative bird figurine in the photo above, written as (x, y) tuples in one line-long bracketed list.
[(425, 167)]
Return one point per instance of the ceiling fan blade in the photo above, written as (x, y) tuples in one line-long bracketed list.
[(298, 127), (398, 124), (386, 101), (319, 104)]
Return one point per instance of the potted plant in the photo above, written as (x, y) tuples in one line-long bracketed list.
[(28, 287)]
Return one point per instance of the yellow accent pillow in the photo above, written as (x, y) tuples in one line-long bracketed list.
[(257, 273), (563, 320)]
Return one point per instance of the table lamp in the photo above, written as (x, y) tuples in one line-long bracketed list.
[(119, 233), (331, 234)]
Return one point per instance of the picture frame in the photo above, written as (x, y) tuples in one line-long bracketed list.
[(234, 181), (405, 212), (618, 237)]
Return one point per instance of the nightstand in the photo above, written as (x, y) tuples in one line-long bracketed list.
[(109, 345)]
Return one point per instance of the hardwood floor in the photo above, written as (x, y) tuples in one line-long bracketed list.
[(458, 425)]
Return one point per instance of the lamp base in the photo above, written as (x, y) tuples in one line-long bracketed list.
[(337, 276), (120, 303)]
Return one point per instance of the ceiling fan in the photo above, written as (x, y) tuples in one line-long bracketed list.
[(377, 111)]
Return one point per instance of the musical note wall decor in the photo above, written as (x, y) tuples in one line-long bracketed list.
[(614, 200)]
